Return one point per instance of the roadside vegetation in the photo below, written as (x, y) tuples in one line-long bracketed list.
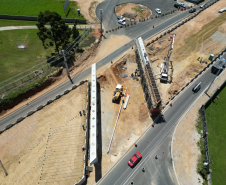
[(34, 7), (200, 145), (215, 116)]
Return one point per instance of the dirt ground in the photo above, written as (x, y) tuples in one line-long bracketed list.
[(140, 10), (185, 150), (132, 121), (194, 39), (85, 8), (45, 147)]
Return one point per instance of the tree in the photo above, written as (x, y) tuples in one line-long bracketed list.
[(75, 32), (59, 33)]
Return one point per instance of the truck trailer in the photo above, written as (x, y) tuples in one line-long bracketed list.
[(218, 67)]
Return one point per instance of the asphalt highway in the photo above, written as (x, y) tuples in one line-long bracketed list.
[(110, 19), (156, 141)]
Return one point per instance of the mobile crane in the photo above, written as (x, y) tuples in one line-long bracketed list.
[(165, 65)]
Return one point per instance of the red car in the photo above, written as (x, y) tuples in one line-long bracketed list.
[(135, 159)]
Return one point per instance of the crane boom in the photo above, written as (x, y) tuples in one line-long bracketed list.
[(165, 65)]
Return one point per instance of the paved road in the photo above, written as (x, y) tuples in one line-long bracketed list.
[(108, 6), (157, 141)]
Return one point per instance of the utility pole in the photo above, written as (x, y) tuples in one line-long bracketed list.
[(101, 11), (65, 63)]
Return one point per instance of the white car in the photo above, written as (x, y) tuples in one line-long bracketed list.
[(158, 11), (121, 18), (182, 5), (121, 22), (222, 10), (204, 4)]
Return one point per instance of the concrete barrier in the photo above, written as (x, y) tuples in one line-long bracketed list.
[(187, 84), (19, 119), (40, 107), (182, 88), (178, 92), (8, 126), (48, 102), (67, 91), (74, 87), (58, 96), (30, 113), (82, 82)]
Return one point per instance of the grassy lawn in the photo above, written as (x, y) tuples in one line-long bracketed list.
[(33, 7), (13, 60), (5, 22), (216, 127)]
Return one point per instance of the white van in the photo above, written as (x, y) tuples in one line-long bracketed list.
[(222, 10)]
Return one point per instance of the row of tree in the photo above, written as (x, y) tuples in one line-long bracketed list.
[(58, 34)]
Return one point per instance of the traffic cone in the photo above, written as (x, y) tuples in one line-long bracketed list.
[(171, 104), (132, 47), (111, 62), (152, 124), (128, 139), (135, 145)]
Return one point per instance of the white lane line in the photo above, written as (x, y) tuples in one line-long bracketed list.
[(156, 146)]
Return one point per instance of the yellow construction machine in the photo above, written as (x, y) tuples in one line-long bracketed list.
[(117, 93)]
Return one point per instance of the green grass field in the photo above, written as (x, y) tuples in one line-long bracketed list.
[(13, 60), (33, 7), (216, 127)]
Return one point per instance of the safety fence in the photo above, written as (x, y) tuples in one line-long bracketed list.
[(205, 133), (36, 72), (35, 18)]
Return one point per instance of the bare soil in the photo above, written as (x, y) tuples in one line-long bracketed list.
[(45, 148), (140, 10), (86, 7)]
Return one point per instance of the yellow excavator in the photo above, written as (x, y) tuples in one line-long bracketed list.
[(117, 93)]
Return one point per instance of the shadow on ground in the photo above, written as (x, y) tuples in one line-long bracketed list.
[(98, 170)]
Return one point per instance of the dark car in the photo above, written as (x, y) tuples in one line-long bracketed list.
[(197, 87), (176, 5), (192, 10)]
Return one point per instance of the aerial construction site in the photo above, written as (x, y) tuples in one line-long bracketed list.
[(48, 146)]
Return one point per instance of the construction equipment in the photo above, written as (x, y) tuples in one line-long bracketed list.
[(165, 65), (117, 93)]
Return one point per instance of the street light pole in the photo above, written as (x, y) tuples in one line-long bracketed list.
[(101, 11)]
